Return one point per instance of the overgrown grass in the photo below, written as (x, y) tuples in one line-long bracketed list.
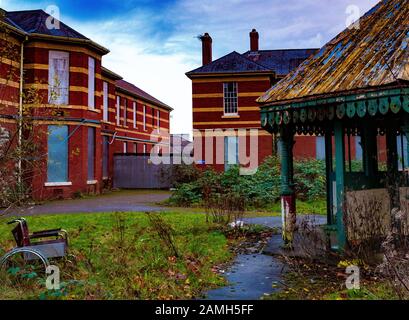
[(326, 282), (121, 256), (318, 207)]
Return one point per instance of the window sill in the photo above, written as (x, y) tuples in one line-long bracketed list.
[(94, 110), (91, 182), (58, 184), (231, 116)]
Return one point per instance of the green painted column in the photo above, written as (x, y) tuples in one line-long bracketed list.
[(340, 182), (288, 205)]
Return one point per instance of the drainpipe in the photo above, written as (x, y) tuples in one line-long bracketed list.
[(20, 111)]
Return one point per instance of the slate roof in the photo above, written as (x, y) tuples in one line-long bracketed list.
[(134, 90), (34, 21), (281, 61), (376, 54), (231, 63), (34, 24)]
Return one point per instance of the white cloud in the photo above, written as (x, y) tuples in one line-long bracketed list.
[(156, 58)]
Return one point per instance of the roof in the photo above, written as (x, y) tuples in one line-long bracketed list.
[(234, 62), (375, 55), (281, 61), (139, 93), (34, 23), (110, 74)]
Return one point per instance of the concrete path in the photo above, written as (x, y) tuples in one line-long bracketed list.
[(250, 277), (119, 201), (253, 276)]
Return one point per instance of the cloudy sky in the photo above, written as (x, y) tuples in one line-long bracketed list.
[(154, 43)]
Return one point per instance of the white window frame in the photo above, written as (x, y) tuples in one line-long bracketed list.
[(230, 98), (134, 115), (118, 110), (105, 101), (58, 89), (91, 83), (125, 146), (144, 117)]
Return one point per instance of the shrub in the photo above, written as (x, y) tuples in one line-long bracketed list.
[(257, 191)]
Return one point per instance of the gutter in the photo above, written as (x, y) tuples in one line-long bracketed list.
[(88, 42)]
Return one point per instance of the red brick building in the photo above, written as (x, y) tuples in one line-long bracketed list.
[(224, 97), (83, 113)]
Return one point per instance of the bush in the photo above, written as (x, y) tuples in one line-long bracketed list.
[(257, 191)]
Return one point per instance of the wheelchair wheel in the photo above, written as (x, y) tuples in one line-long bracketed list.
[(22, 263)]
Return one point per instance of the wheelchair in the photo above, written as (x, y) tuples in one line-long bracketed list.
[(36, 248)]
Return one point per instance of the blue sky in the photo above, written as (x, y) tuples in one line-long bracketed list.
[(153, 43)]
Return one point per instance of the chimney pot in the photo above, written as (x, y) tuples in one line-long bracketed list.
[(207, 49), (254, 38)]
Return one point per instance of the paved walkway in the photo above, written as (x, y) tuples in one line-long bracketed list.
[(119, 201), (253, 276)]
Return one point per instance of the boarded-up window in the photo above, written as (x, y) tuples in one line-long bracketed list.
[(91, 154), (58, 77), (125, 111), (134, 115), (105, 102), (144, 117), (91, 83), (118, 110), (57, 161)]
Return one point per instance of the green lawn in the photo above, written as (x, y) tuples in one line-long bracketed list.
[(318, 207), (122, 256)]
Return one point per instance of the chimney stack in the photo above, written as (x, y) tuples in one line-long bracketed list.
[(254, 36), (206, 49)]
